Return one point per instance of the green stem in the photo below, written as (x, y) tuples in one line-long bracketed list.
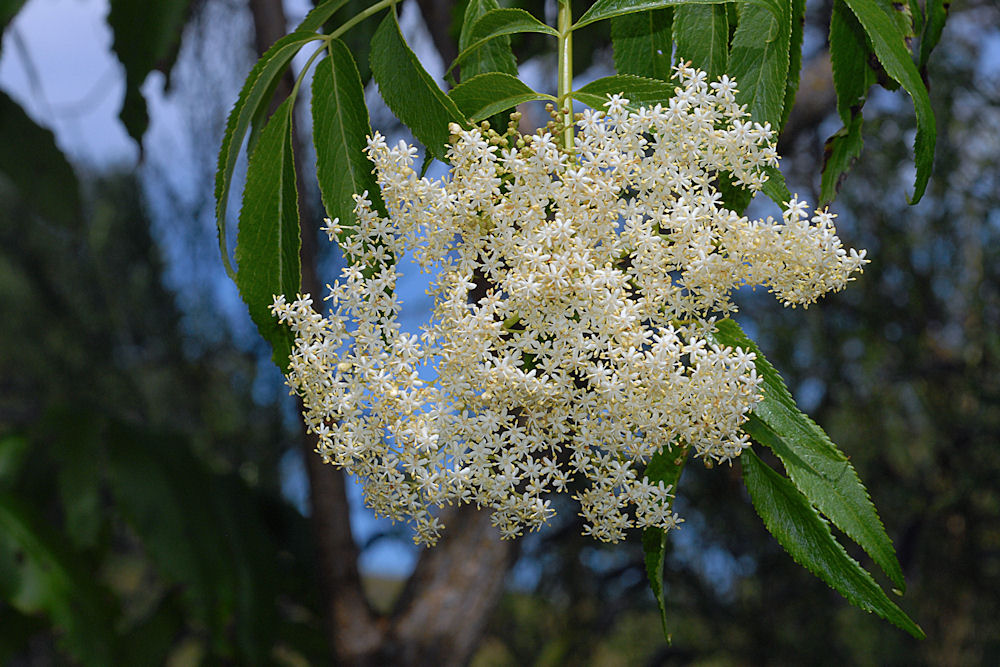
[(361, 16), (565, 88)]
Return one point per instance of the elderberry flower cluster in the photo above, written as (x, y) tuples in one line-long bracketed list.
[(575, 294)]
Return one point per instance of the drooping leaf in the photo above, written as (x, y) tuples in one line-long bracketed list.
[(889, 44), (39, 172), (493, 56), (497, 23), (40, 573), (643, 43), (252, 104), (487, 94), (798, 18), (606, 9), (803, 533), (666, 467), (409, 91), (758, 60), (840, 153), (852, 76), (639, 90), (775, 187), (340, 130), (147, 34), (815, 465), (702, 35), (937, 14), (267, 248)]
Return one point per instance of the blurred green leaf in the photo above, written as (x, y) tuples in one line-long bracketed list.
[(40, 573), (36, 168), (798, 9), (267, 248), (147, 34), (793, 522)]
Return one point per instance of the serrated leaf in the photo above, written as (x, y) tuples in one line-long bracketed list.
[(606, 9), (758, 60), (493, 56), (487, 94), (937, 14), (409, 91), (793, 522), (253, 101), (889, 44), (340, 130), (665, 466), (42, 177), (775, 187), (815, 465), (643, 43), (702, 35), (267, 248), (147, 34), (852, 76), (41, 573), (639, 90), (798, 19), (840, 153), (497, 23)]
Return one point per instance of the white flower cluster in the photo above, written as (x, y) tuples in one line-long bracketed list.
[(575, 295)]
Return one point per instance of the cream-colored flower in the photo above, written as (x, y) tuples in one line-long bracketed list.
[(574, 295)]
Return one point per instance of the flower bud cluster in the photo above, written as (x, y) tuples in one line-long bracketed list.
[(575, 292)]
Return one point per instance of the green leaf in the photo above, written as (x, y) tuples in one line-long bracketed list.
[(889, 44), (852, 76), (267, 249), (37, 169), (496, 23), (40, 573), (493, 56), (937, 14), (409, 91), (840, 153), (486, 94), (775, 187), (815, 465), (147, 34), (8, 10), (759, 60), (795, 58), (606, 9), (639, 90), (806, 537), (702, 34), (340, 130), (665, 466), (643, 43), (251, 106)]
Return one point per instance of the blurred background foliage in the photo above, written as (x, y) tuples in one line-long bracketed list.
[(144, 519)]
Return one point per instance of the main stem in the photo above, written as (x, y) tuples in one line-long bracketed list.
[(565, 85)]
